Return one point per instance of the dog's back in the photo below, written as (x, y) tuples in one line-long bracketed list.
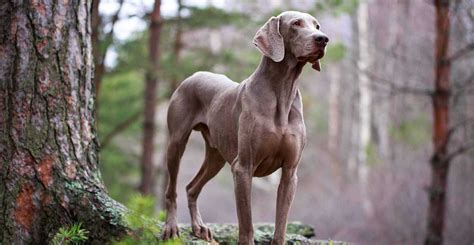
[(201, 87), (190, 101)]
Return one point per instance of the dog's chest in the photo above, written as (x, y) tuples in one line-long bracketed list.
[(277, 147)]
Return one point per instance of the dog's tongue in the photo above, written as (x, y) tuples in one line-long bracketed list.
[(317, 65)]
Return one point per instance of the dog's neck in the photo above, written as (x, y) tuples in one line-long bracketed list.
[(278, 80)]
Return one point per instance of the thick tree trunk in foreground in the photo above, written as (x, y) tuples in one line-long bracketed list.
[(439, 160), (147, 165), (49, 175)]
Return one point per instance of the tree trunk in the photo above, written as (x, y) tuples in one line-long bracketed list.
[(439, 160), (100, 45), (177, 46), (364, 103), (147, 166), (49, 175)]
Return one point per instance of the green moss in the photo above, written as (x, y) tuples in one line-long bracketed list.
[(302, 229), (74, 185), (114, 210)]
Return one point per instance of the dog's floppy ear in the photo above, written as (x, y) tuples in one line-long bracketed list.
[(269, 40)]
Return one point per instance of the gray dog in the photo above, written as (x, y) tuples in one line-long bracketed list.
[(257, 126)]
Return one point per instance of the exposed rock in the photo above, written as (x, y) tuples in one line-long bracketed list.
[(297, 233)]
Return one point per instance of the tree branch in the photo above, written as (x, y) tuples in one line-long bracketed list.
[(461, 52), (461, 150), (395, 87), (455, 127), (114, 20)]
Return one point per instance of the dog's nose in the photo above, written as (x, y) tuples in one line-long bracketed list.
[(321, 39)]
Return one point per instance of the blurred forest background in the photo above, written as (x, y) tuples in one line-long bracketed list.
[(366, 172)]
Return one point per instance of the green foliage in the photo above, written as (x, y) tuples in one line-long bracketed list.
[(162, 216), (143, 220), (211, 17), (120, 98), (335, 52), (120, 172), (337, 7), (71, 235), (132, 54), (141, 206), (414, 132)]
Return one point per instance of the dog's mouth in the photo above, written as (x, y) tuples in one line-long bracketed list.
[(316, 55), (313, 57)]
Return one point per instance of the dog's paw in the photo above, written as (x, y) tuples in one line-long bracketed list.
[(202, 231), (170, 231)]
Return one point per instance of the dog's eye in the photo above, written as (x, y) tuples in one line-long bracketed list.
[(317, 26), (298, 23)]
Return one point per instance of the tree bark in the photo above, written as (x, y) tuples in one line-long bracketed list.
[(147, 164), (49, 175), (439, 161)]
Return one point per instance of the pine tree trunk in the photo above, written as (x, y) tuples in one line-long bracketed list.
[(49, 175), (147, 165), (439, 160)]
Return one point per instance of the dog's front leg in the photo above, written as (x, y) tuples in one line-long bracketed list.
[(286, 193), (242, 185)]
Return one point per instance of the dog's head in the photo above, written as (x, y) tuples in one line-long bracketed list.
[(295, 32)]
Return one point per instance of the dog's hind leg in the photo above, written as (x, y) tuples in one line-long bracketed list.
[(213, 163), (180, 127)]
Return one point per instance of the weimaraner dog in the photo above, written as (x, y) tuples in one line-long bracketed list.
[(257, 126)]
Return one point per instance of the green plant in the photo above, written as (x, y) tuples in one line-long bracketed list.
[(70, 235), (145, 222)]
